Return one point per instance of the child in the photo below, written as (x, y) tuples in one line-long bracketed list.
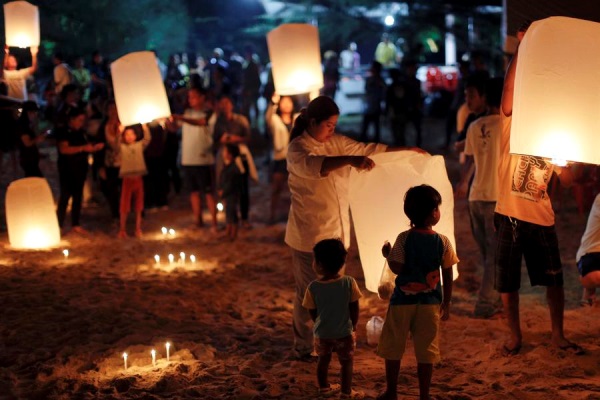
[(230, 182), (415, 304), (588, 256), (133, 168), (332, 301)]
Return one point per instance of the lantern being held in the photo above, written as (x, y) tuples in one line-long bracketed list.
[(295, 59), (139, 90), (22, 24), (556, 103), (30, 215), (377, 204)]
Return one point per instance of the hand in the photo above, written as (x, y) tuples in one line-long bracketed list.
[(459, 146), (362, 163), (275, 99), (461, 190), (34, 50), (445, 310), (88, 148), (6, 49), (176, 117), (386, 249), (102, 173)]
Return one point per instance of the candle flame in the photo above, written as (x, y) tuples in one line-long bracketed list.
[(157, 258), (193, 258), (163, 230), (172, 232), (66, 253)]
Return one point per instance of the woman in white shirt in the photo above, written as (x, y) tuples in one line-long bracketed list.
[(318, 162)]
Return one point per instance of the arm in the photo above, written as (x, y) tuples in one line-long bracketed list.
[(447, 276), (147, 137), (28, 141), (191, 121), (467, 173), (353, 314), (330, 164), (509, 86), (565, 175), (66, 149), (34, 60)]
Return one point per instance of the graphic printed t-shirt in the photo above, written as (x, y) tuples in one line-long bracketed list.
[(332, 300), (422, 252)]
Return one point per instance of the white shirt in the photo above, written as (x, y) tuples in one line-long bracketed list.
[(281, 136), (196, 142), (483, 143), (62, 77), (590, 241), (16, 82), (320, 207)]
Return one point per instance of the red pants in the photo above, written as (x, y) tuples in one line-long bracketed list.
[(133, 186)]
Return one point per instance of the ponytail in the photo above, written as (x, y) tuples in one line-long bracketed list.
[(319, 109)]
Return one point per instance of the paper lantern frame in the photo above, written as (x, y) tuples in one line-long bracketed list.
[(21, 24), (140, 93), (556, 102), (295, 56)]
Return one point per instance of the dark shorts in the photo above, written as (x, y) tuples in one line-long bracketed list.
[(344, 347), (537, 244), (199, 178), (588, 263), (280, 167)]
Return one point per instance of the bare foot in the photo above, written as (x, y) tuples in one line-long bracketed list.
[(122, 234)]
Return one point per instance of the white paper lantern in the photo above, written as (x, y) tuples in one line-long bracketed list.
[(377, 204), (22, 24), (140, 94), (295, 59), (556, 106), (30, 215)]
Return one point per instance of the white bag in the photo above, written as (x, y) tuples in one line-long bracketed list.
[(374, 327)]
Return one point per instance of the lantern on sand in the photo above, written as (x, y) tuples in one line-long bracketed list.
[(140, 94), (295, 59), (31, 215), (556, 103), (22, 24), (377, 204)]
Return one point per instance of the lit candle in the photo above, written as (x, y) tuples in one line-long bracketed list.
[(66, 253), (172, 232), (220, 206), (157, 258), (153, 352), (193, 258), (171, 258), (125, 359), (168, 346), (182, 257), (163, 230)]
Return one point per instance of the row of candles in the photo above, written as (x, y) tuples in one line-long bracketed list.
[(171, 258), (153, 354)]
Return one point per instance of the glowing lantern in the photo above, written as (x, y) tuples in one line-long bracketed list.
[(295, 59), (22, 24), (556, 103), (377, 204), (139, 90), (31, 215)]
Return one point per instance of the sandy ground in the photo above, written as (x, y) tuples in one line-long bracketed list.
[(65, 322)]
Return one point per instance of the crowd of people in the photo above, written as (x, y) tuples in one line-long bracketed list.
[(214, 106)]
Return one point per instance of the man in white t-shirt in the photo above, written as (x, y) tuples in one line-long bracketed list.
[(62, 73), (482, 150), (197, 156), (16, 79)]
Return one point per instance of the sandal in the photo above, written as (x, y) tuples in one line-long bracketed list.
[(354, 394), (329, 390)]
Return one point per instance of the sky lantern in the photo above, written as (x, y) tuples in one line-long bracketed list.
[(377, 204), (556, 106), (140, 94), (30, 215), (22, 24), (295, 59)]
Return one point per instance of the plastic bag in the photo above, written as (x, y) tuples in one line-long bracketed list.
[(374, 327), (387, 282)]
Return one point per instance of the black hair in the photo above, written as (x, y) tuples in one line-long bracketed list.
[(319, 109), (198, 89), (493, 91), (476, 82), (294, 106), (233, 149), (59, 56), (330, 255), (75, 112), (419, 203), (68, 88)]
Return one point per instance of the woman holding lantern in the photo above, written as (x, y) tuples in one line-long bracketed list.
[(318, 162)]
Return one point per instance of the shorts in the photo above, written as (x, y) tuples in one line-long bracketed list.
[(199, 178), (344, 347), (422, 320), (538, 244), (280, 167), (133, 186), (589, 263)]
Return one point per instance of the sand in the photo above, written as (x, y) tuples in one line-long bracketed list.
[(65, 322)]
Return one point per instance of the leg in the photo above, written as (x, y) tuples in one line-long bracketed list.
[(212, 208), (196, 203), (556, 303), (346, 372), (392, 370), (63, 200), (424, 372), (276, 189), (322, 370), (245, 195), (138, 224), (78, 182), (303, 275), (377, 122), (482, 227), (510, 302)]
